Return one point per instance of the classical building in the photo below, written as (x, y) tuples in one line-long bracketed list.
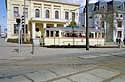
[(39, 14)]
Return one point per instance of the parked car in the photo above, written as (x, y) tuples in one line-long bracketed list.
[(3, 35)]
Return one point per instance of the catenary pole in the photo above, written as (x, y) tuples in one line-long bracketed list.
[(32, 27), (24, 21), (87, 36)]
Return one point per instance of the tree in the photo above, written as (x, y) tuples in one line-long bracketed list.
[(72, 23)]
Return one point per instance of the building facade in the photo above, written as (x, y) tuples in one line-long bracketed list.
[(109, 17), (40, 14)]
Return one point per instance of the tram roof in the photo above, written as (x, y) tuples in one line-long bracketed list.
[(75, 29)]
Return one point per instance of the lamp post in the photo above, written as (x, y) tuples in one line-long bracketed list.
[(87, 36)]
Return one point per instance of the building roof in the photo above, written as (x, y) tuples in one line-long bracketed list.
[(68, 2)]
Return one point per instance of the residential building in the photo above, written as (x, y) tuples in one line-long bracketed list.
[(108, 17)]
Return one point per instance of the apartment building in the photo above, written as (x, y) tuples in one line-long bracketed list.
[(108, 17)]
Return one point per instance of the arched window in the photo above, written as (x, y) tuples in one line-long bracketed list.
[(66, 15), (37, 13), (47, 13), (56, 14), (73, 16)]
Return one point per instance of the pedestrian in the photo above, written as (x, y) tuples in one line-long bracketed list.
[(124, 41), (119, 41)]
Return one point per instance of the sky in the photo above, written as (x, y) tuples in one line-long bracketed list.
[(3, 13)]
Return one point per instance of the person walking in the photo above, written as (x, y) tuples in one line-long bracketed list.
[(124, 40)]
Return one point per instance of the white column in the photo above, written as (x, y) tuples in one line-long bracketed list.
[(55, 25), (60, 34), (70, 16), (97, 35), (101, 35), (52, 12), (105, 25), (43, 15), (32, 9), (122, 34), (77, 17), (94, 34), (44, 26), (33, 30), (62, 13), (85, 20)]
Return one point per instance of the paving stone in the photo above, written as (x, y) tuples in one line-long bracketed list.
[(85, 77), (104, 54), (42, 75), (119, 79), (63, 70), (62, 80), (15, 79), (102, 73)]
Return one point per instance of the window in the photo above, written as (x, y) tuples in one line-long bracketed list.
[(96, 35), (124, 5), (119, 23), (52, 33), (90, 17), (73, 16), (116, 14), (66, 15), (37, 13), (48, 26), (15, 30), (25, 12), (26, 29), (56, 14), (57, 33), (47, 33), (103, 35), (47, 13), (91, 35), (16, 11)]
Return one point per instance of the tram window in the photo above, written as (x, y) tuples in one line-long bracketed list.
[(63, 34), (80, 35), (99, 35), (95, 35), (47, 33), (51, 33), (91, 35), (103, 35), (67, 34), (57, 33)]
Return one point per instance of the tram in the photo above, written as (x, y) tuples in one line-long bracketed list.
[(71, 37)]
